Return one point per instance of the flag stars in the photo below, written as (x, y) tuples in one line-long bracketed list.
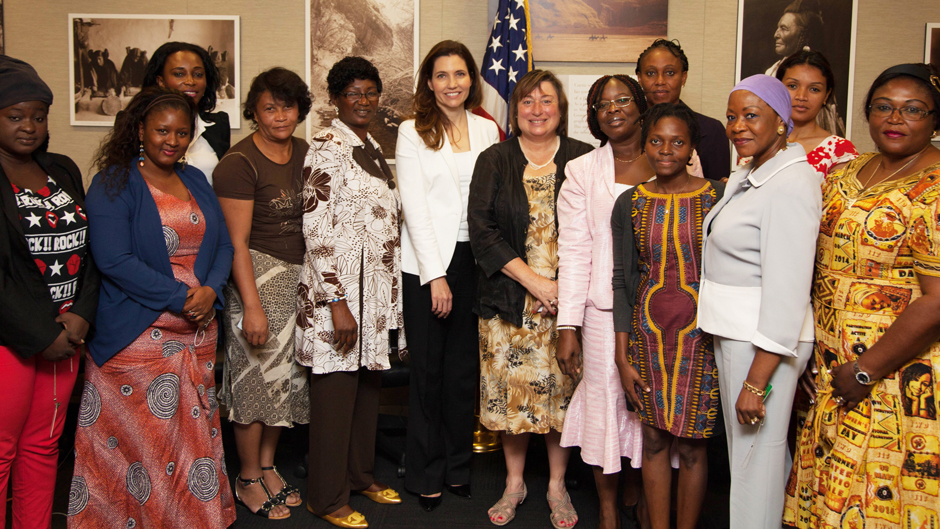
[(520, 4), (56, 268), (519, 53), (496, 21), (512, 75), (513, 22), (495, 44), (497, 66), (33, 220)]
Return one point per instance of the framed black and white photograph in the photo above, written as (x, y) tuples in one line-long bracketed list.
[(595, 31), (2, 47), (109, 54), (385, 32), (771, 30), (932, 45)]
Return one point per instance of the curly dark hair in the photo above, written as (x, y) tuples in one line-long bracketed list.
[(121, 147), (594, 96), (429, 120), (929, 71), (155, 69), (671, 110), (816, 60), (672, 45), (285, 86), (347, 70)]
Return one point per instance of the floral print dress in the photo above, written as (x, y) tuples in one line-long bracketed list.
[(522, 389), (351, 224)]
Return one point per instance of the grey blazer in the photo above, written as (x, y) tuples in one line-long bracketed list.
[(758, 255)]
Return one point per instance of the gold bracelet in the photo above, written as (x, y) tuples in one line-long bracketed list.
[(754, 390)]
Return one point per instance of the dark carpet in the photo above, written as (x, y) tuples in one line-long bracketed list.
[(488, 483)]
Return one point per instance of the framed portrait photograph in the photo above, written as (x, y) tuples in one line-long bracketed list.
[(769, 31), (385, 32), (595, 31), (110, 53)]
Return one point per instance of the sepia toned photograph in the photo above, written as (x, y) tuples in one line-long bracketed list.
[(596, 30), (385, 32), (769, 31), (2, 48), (932, 49), (110, 54)]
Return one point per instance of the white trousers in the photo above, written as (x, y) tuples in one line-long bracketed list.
[(757, 488)]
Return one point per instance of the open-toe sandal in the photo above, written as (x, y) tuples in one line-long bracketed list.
[(281, 497), (265, 510), (506, 506), (563, 515)]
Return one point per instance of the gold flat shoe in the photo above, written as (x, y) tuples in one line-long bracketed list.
[(354, 520), (386, 495)]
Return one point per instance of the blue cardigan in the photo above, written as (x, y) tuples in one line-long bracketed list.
[(127, 243)]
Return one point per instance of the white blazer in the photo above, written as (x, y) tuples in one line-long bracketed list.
[(429, 183)]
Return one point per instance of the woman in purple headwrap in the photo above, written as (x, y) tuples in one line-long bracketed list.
[(754, 296)]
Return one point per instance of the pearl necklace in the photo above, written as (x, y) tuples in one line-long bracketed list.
[(550, 160)]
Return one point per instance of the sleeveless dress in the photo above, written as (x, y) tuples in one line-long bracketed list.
[(522, 389), (673, 356), (149, 443)]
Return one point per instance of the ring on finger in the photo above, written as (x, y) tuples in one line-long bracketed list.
[(754, 420)]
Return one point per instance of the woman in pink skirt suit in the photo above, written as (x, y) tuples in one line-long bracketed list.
[(598, 420)]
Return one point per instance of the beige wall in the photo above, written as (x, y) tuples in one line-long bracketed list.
[(272, 33)]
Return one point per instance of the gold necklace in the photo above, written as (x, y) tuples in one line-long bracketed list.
[(890, 176), (629, 161)]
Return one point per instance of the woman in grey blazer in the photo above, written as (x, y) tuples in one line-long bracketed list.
[(755, 294)]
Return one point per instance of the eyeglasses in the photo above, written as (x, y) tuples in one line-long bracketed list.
[(620, 102), (356, 96), (907, 113)]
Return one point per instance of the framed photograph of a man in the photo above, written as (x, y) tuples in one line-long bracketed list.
[(932, 50), (110, 53), (385, 32), (769, 31)]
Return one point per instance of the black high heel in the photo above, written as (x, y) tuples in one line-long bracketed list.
[(265, 510)]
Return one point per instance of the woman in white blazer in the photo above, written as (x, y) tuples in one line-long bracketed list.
[(435, 156), (754, 298)]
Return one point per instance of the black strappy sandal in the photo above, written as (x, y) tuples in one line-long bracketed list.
[(281, 497), (265, 510)]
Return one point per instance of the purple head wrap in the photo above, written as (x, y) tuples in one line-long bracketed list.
[(772, 92)]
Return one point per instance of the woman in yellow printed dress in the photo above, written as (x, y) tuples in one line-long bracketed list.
[(869, 454)]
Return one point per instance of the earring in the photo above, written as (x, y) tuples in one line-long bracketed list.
[(934, 135), (336, 109), (140, 159), (780, 130), (183, 161)]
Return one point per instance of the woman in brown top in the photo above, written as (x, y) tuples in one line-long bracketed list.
[(258, 183)]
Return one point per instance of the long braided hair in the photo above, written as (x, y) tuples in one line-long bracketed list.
[(594, 96)]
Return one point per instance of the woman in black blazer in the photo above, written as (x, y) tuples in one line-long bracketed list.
[(190, 69), (48, 292)]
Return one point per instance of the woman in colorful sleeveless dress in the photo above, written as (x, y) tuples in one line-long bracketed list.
[(148, 451), (869, 453)]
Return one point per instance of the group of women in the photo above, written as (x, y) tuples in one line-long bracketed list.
[(623, 299)]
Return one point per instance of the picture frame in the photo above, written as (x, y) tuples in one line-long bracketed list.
[(759, 50), (385, 32), (604, 32), (100, 88)]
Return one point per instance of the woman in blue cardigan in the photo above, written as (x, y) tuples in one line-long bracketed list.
[(148, 451)]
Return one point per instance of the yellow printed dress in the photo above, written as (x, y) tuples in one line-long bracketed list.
[(877, 465)]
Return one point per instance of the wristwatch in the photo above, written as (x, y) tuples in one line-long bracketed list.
[(862, 377)]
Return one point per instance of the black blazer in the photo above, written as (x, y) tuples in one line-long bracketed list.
[(219, 136), (498, 219), (626, 278), (714, 149), (27, 314)]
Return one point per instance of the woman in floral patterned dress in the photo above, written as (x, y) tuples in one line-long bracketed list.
[(350, 307), (869, 453)]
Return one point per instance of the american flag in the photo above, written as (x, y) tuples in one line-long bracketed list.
[(508, 57)]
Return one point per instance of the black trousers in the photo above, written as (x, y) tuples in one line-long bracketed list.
[(445, 359)]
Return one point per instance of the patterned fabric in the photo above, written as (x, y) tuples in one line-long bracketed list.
[(522, 389), (351, 225), (148, 447), (674, 357), (55, 228), (829, 153), (264, 383), (877, 465)]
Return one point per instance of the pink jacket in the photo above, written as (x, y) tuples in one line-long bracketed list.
[(585, 245)]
